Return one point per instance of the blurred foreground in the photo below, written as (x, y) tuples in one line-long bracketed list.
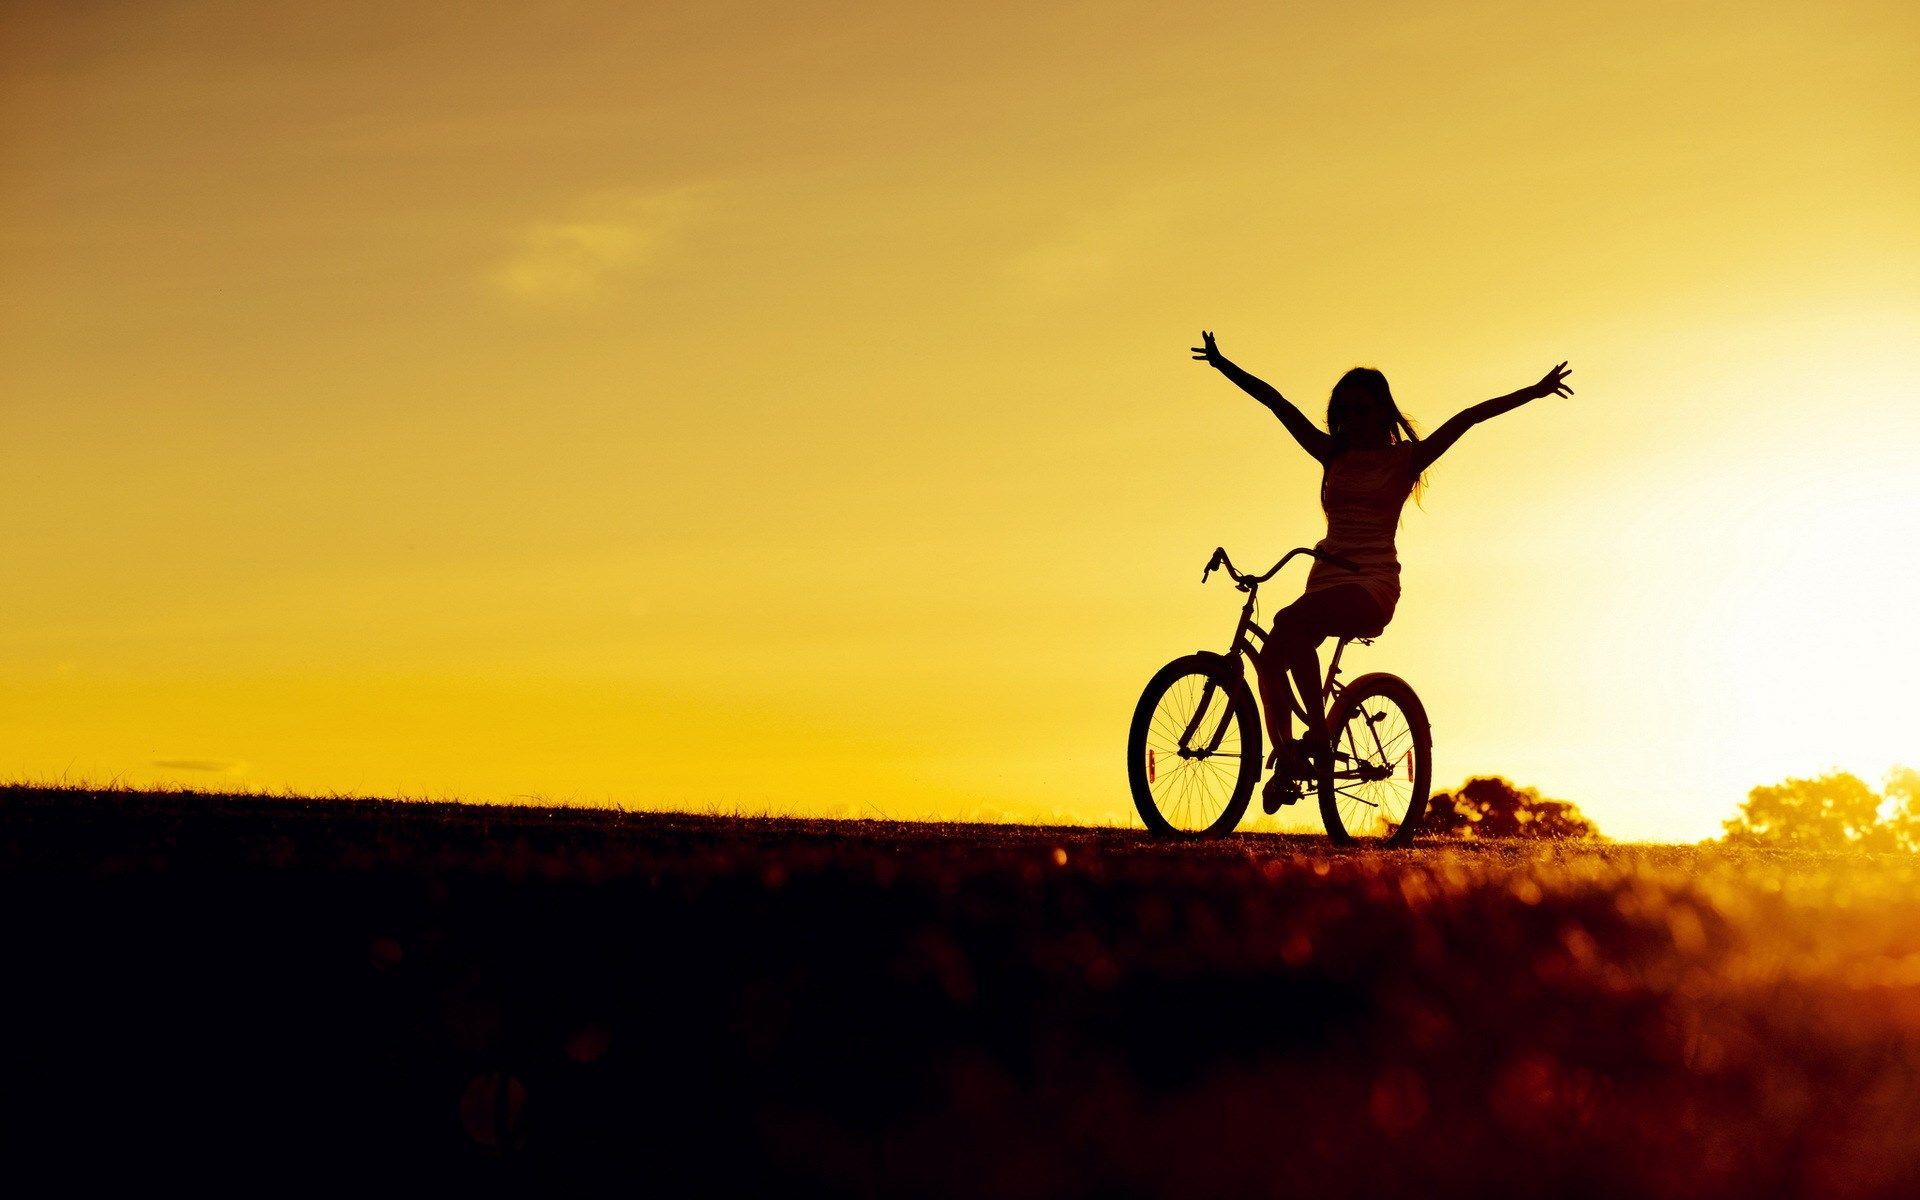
[(472, 995)]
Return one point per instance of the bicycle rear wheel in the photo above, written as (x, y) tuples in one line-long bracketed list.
[(1193, 750), (1374, 791)]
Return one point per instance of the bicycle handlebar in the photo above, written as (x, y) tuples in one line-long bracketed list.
[(1245, 582)]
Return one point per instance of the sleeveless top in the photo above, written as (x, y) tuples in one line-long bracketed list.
[(1365, 490)]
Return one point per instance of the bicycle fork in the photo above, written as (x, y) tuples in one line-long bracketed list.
[(1193, 725)]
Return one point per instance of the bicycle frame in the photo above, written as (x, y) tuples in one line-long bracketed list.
[(1248, 629), (1244, 644), (1354, 752)]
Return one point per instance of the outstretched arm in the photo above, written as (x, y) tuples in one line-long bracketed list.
[(1311, 437), (1430, 448)]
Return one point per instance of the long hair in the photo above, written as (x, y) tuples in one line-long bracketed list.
[(1361, 392)]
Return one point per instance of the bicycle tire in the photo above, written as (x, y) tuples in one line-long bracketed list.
[(1386, 812), (1181, 800)]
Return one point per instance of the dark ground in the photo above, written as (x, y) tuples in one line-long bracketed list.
[(464, 996)]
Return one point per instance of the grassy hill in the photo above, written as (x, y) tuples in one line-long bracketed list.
[(472, 994)]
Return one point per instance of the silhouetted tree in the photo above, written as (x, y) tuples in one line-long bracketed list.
[(1488, 806), (1901, 810), (1834, 812)]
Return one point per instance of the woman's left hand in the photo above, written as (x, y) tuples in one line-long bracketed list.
[(1553, 383)]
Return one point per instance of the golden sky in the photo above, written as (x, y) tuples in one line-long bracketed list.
[(787, 408)]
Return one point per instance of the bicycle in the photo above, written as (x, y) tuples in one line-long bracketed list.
[(1194, 747)]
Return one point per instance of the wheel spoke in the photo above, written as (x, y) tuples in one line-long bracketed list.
[(1372, 798), (1192, 787)]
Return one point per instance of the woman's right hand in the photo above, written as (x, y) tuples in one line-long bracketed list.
[(1208, 352)]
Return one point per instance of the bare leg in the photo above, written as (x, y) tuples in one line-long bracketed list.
[(1306, 678), (1270, 668), (1293, 648)]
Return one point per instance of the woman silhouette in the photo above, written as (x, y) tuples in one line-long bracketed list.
[(1371, 461)]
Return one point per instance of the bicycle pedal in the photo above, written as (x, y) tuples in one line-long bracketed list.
[(1279, 792)]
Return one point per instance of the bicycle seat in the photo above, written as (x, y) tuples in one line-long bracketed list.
[(1367, 634)]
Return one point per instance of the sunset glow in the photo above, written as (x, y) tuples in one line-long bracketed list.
[(788, 410)]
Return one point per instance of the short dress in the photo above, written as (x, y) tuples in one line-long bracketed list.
[(1365, 491)]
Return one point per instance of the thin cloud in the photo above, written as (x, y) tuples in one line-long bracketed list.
[(1100, 248), (1089, 253), (596, 251), (213, 766)]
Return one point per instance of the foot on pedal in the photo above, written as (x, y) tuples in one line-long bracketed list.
[(1283, 788)]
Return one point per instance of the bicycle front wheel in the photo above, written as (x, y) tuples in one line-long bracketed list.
[(1374, 790), (1193, 750)]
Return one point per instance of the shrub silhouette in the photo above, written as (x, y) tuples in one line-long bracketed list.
[(1902, 812), (1834, 812), (1488, 806)]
